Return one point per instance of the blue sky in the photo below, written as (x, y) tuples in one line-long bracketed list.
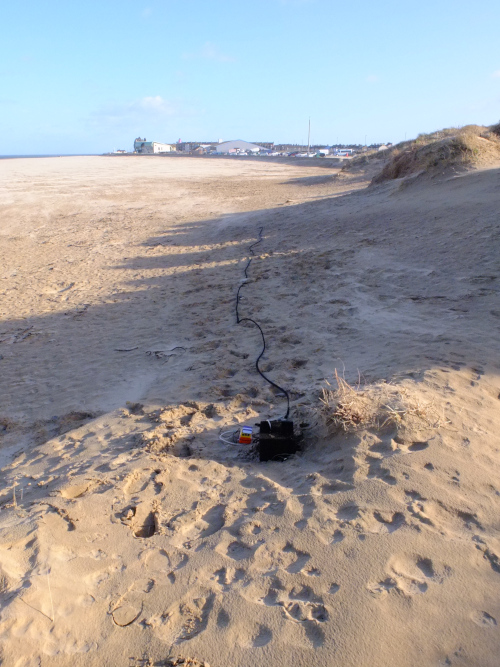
[(87, 77)]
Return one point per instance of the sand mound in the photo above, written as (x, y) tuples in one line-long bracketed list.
[(451, 149)]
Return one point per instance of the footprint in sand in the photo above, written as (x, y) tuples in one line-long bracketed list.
[(418, 446), (262, 636), (336, 487), (389, 522), (377, 471), (239, 551), (209, 523), (159, 561), (348, 513), (409, 577), (226, 578), (58, 518), (255, 636), (245, 526), (193, 616), (441, 517), (19, 554), (138, 481), (483, 619), (299, 559), (310, 614), (141, 520), (128, 608), (488, 554), (273, 595), (301, 611), (223, 619), (300, 605), (75, 491)]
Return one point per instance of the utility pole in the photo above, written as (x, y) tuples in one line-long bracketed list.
[(309, 136)]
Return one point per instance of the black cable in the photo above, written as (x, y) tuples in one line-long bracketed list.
[(248, 319)]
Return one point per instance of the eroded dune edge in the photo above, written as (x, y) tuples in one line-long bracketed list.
[(129, 533)]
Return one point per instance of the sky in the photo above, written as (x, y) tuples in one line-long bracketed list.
[(90, 77)]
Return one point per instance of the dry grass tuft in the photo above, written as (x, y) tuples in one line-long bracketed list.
[(185, 662), (379, 406), (6, 424), (495, 129)]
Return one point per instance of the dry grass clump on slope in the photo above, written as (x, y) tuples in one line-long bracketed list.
[(185, 662), (472, 145), (495, 129), (378, 406)]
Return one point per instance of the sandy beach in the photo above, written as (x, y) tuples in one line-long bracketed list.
[(130, 534)]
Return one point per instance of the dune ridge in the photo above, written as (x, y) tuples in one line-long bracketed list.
[(436, 154)]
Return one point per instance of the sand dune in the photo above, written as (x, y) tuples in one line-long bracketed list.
[(129, 533)]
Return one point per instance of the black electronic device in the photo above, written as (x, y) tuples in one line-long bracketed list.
[(277, 440)]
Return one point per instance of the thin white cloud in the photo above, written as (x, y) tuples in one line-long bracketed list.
[(209, 51), (155, 104), (148, 109), (496, 75)]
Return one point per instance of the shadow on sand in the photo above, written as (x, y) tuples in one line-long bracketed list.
[(379, 284)]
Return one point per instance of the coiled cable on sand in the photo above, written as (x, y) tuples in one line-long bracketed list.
[(239, 320)]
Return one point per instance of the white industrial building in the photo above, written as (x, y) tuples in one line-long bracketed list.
[(238, 146), (143, 146)]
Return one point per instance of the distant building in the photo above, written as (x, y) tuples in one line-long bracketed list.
[(343, 152), (238, 146), (188, 146), (269, 145), (149, 147), (290, 148)]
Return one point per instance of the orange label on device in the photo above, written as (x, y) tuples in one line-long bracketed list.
[(245, 435)]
